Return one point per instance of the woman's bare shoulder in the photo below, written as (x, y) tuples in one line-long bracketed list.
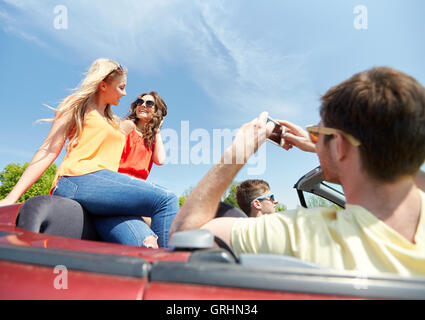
[(127, 126)]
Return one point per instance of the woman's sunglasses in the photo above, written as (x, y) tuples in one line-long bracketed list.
[(148, 103)]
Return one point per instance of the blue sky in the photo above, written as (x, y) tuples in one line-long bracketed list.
[(217, 64)]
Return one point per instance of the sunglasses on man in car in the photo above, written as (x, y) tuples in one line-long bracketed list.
[(269, 195)]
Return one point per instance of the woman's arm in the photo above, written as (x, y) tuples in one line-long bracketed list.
[(159, 156), (43, 158)]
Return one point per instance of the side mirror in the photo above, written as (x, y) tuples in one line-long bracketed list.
[(312, 182)]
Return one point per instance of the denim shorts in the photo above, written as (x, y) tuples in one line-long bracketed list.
[(108, 194)]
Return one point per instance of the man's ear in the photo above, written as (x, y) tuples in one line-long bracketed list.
[(340, 146), (256, 204)]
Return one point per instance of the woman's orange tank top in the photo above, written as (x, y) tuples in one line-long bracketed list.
[(99, 147)]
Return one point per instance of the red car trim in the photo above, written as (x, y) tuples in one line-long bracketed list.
[(30, 282)]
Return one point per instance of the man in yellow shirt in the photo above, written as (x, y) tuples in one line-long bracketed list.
[(371, 140)]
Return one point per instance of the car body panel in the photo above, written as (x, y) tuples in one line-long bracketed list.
[(10, 234), (167, 291), (8, 214), (31, 282), (40, 266)]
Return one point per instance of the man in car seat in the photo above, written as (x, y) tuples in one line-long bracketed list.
[(255, 198), (371, 140)]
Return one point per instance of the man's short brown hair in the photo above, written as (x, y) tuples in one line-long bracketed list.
[(248, 191), (385, 110)]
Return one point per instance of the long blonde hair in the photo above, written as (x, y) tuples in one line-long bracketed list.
[(75, 105)]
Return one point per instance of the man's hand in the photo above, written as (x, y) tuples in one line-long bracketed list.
[(296, 136), (248, 139)]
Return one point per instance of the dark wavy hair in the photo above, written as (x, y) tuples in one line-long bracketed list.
[(150, 129)]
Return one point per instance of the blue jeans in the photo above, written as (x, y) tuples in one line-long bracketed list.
[(118, 201), (123, 229)]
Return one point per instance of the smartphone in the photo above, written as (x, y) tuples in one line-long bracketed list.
[(276, 135)]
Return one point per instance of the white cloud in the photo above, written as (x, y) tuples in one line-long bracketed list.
[(26, 36), (242, 73), (247, 72), (10, 27)]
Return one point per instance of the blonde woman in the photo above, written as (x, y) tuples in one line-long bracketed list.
[(88, 173)]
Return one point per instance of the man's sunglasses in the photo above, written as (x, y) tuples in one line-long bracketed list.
[(148, 103), (269, 195), (314, 132)]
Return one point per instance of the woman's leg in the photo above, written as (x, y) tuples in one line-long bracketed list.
[(109, 193), (125, 230)]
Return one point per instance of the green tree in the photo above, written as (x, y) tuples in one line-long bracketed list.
[(183, 197), (230, 194), (182, 200), (13, 171), (280, 207)]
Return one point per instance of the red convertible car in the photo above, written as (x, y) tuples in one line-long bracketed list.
[(49, 250)]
